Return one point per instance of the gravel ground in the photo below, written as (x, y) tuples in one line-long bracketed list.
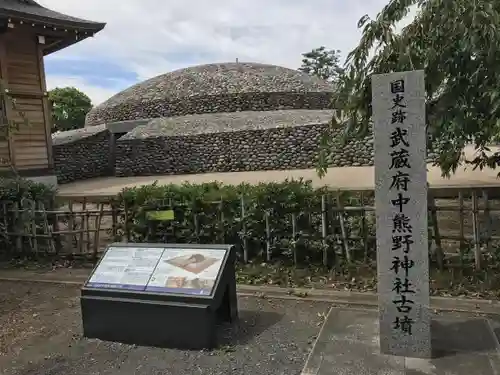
[(40, 334)]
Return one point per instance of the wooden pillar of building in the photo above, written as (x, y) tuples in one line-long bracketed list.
[(26, 107), (28, 32)]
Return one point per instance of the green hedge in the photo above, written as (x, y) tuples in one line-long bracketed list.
[(212, 213), (14, 190)]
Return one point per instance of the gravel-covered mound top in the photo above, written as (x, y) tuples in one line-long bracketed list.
[(215, 79), (211, 88), (69, 136), (227, 122)]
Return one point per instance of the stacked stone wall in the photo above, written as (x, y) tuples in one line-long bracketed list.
[(140, 109), (270, 149), (84, 158)]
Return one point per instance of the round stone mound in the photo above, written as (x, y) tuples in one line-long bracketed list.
[(215, 88)]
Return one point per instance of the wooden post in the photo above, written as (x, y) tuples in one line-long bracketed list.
[(487, 222), (364, 229), (461, 227), (71, 224), (126, 219), (475, 229), (340, 213), (294, 238), (196, 227), (244, 230), (33, 208), (324, 230), (82, 225), (435, 229), (222, 222), (18, 228), (114, 221), (268, 236), (87, 230), (97, 238)]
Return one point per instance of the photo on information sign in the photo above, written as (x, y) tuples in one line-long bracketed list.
[(187, 271)]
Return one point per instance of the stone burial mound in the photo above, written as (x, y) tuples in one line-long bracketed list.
[(233, 142), (215, 88), (210, 118)]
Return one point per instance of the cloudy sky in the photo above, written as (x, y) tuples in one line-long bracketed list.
[(144, 38)]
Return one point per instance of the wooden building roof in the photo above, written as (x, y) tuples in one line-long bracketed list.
[(67, 29)]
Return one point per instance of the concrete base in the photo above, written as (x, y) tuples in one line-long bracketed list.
[(349, 344)]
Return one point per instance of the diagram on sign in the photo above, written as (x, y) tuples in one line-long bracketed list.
[(194, 263), (186, 271)]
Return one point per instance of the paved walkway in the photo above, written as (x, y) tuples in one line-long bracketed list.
[(348, 344)]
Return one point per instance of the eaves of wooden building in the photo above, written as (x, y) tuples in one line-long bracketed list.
[(28, 32)]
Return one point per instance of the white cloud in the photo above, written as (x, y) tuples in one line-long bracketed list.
[(144, 35)]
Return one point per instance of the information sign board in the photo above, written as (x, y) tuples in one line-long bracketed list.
[(159, 269), (175, 294)]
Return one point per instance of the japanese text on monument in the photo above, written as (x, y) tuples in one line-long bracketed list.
[(402, 236)]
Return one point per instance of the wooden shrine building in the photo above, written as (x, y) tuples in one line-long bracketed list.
[(28, 32)]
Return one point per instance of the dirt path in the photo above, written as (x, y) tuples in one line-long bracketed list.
[(40, 334)]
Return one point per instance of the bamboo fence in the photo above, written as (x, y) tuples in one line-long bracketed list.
[(461, 227)]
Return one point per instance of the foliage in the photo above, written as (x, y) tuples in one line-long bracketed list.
[(19, 193), (14, 190), (213, 213), (69, 108), (455, 42), (322, 63)]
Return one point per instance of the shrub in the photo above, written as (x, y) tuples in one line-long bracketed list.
[(18, 197), (213, 212)]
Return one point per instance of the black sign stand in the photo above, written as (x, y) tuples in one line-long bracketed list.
[(162, 319)]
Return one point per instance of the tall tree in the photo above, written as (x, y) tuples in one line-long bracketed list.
[(322, 63), (69, 108), (456, 43)]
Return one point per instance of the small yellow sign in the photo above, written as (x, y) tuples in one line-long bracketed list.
[(160, 215)]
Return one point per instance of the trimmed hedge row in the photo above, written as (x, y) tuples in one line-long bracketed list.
[(289, 221), (272, 220)]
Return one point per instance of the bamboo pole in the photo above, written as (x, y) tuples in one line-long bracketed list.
[(268, 236), (487, 222), (475, 230), (244, 230), (364, 231), (324, 230), (436, 234), (343, 230), (294, 238), (461, 227), (97, 236)]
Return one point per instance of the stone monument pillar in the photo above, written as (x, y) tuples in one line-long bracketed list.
[(401, 213)]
